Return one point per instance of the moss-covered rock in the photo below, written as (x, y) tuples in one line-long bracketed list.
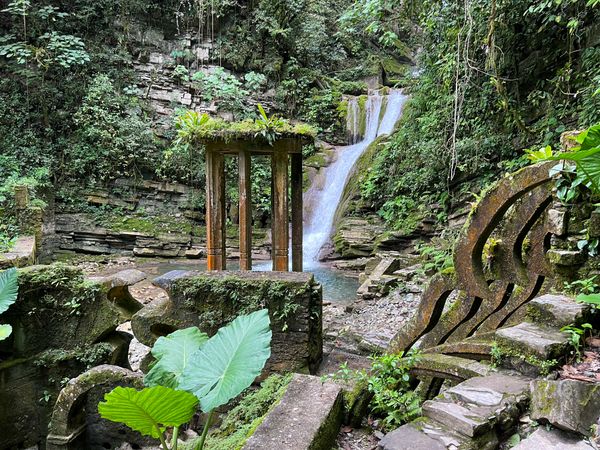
[(210, 300)]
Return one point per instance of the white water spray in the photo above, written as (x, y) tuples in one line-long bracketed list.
[(325, 199)]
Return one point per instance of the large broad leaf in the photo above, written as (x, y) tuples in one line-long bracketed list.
[(150, 410), (229, 361), (5, 331), (8, 288), (590, 167), (592, 299), (590, 138), (172, 353)]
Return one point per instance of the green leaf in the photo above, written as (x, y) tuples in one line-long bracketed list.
[(5, 331), (150, 410), (590, 138), (172, 353), (8, 288), (592, 299), (229, 361)]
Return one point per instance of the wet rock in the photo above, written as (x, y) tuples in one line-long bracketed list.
[(567, 404)]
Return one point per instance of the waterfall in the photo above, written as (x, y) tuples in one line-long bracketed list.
[(326, 197)]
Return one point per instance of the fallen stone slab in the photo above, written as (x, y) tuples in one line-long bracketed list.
[(427, 434), (543, 439), (308, 417), (407, 437), (567, 404), (456, 417), (556, 310), (532, 339)]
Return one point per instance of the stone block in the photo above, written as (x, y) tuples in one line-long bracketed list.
[(530, 339), (594, 224), (308, 417), (556, 310), (556, 221), (565, 257), (567, 404), (543, 439), (456, 417), (210, 300)]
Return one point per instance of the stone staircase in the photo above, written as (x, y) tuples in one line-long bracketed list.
[(483, 404)]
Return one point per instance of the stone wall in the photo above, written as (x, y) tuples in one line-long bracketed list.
[(210, 300), (62, 325)]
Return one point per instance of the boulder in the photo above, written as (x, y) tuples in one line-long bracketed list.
[(570, 405), (543, 439)]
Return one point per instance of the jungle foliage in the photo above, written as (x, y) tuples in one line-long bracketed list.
[(494, 77), (71, 109)]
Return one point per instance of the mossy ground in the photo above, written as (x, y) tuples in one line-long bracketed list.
[(241, 422)]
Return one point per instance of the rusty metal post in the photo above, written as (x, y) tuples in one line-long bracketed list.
[(245, 219), (215, 210), (296, 160), (280, 223)]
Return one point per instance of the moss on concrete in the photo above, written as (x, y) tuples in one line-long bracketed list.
[(241, 422)]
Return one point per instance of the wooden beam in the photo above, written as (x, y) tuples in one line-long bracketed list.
[(245, 190), (215, 210), (280, 224), (296, 175)]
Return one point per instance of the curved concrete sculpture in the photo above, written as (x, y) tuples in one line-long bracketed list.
[(500, 265)]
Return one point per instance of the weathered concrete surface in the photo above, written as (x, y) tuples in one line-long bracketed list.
[(456, 417), (117, 286), (481, 404), (556, 310), (449, 367), (407, 437), (69, 423), (531, 339), (308, 417), (425, 433), (543, 439), (62, 325), (21, 255), (209, 300), (567, 404)]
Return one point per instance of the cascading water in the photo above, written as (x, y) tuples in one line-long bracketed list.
[(326, 198)]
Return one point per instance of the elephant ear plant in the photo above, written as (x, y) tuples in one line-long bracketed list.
[(8, 295), (190, 368)]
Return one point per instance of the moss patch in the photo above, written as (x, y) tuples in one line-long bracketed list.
[(241, 422)]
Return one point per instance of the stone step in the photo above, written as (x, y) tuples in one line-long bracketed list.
[(477, 405), (543, 439), (449, 367), (456, 417), (427, 434), (557, 311), (308, 416), (531, 339)]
